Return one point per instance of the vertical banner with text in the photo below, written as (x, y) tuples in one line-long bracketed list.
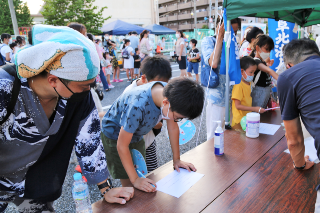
[(282, 32)]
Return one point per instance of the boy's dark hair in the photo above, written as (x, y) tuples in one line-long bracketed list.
[(90, 36), (156, 67), (253, 33), (246, 62), (261, 41), (134, 33), (194, 41), (186, 97), (136, 49)]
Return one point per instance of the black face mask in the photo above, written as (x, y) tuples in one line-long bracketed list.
[(75, 97)]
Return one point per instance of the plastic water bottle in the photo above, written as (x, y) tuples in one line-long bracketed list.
[(81, 196), (219, 140)]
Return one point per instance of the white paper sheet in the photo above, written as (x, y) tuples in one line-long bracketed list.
[(175, 183), (309, 149), (268, 129)]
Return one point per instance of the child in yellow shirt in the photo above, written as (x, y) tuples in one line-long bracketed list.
[(241, 93)]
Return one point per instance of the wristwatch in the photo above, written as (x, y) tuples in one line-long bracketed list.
[(300, 168), (108, 183)]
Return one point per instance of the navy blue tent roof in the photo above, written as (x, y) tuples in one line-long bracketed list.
[(159, 29), (119, 27)]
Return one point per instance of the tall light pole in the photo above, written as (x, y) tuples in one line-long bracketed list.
[(210, 3), (215, 15), (195, 17), (13, 18)]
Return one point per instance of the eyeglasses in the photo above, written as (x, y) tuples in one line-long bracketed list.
[(176, 119)]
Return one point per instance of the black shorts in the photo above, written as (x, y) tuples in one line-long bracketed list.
[(182, 63)]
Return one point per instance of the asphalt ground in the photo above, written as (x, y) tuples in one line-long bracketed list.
[(65, 203)]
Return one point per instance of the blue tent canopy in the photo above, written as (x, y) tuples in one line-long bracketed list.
[(119, 27), (159, 29)]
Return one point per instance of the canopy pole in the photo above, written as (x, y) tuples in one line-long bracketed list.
[(227, 117)]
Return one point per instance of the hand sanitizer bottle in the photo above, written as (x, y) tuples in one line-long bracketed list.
[(219, 140)]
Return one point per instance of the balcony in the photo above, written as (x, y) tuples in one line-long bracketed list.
[(202, 3), (185, 5), (199, 25), (162, 10), (173, 27), (173, 18), (164, 1), (185, 27), (184, 16), (163, 19), (172, 8), (202, 14)]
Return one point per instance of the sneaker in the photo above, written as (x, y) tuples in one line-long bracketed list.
[(110, 86), (120, 80), (114, 80), (129, 80)]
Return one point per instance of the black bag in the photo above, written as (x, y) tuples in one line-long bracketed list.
[(99, 91), (11, 69)]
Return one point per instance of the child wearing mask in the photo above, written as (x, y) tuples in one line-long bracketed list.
[(137, 111), (262, 76), (194, 59), (241, 93)]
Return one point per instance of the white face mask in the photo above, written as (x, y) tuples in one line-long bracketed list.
[(264, 55), (249, 78), (10, 41), (178, 35), (163, 116)]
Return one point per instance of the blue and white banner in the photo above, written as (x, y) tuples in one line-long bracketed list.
[(282, 32), (234, 57)]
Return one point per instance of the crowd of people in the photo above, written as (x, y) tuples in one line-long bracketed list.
[(49, 105)]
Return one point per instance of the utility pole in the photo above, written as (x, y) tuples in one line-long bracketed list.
[(13, 17), (210, 3), (195, 17), (157, 12), (216, 15)]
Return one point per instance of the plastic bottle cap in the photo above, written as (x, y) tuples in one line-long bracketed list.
[(77, 176)]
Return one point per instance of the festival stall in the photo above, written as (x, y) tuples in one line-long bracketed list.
[(304, 13)]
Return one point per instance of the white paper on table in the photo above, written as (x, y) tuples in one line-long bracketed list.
[(175, 183), (268, 129), (309, 149)]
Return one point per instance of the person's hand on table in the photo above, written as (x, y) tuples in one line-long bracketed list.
[(119, 195), (179, 58), (309, 163), (144, 184), (181, 164)]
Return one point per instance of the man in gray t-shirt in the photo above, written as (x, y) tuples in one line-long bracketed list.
[(134, 40), (299, 96)]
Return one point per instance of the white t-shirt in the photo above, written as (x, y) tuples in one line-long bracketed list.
[(128, 63), (149, 137), (5, 49)]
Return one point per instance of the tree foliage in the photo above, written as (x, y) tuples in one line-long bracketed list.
[(22, 13), (61, 12), (205, 26)]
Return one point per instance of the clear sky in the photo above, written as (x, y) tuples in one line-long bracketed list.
[(34, 5)]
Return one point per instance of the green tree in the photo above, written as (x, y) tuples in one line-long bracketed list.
[(61, 12), (205, 26), (22, 13)]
